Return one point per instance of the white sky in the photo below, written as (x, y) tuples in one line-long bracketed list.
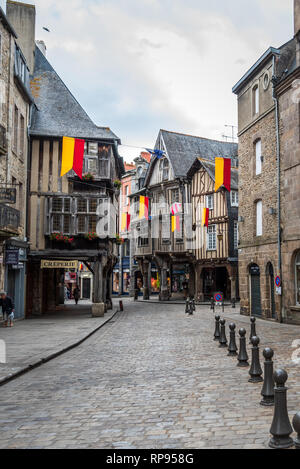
[(141, 65)]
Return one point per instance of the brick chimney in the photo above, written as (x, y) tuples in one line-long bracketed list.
[(22, 18), (296, 16)]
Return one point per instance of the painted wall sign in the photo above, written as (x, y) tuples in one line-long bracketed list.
[(50, 264)]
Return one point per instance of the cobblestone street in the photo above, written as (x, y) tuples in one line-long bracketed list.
[(151, 378)]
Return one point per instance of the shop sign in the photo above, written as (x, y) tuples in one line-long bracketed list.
[(50, 264)]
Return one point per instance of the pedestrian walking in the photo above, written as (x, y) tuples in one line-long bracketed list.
[(76, 294), (8, 309)]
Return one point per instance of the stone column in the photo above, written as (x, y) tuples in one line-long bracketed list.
[(164, 291), (145, 267), (98, 307)]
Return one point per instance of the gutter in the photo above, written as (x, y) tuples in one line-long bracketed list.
[(275, 99)]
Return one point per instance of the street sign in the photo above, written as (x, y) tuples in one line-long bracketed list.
[(50, 264), (12, 256), (8, 195), (278, 282), (218, 297)]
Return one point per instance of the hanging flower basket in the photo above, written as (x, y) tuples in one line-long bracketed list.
[(91, 236), (59, 237), (119, 239), (88, 177), (117, 184)]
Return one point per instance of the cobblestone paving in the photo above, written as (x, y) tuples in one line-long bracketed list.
[(153, 378)]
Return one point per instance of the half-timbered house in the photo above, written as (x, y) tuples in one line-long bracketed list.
[(216, 245), (168, 182)]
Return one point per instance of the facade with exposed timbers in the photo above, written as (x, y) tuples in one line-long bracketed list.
[(176, 179)]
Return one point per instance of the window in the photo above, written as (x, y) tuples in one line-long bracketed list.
[(236, 235), (87, 219), (126, 202), (175, 196), (211, 238), (234, 198), (22, 135), (258, 158), (61, 215), (255, 100), (164, 169), (16, 128), (104, 156), (297, 278), (259, 222), (210, 201)]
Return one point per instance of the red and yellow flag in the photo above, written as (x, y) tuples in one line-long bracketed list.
[(72, 156), (205, 217), (175, 223), (144, 207), (125, 222), (222, 173)]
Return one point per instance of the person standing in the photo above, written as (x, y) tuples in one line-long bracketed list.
[(8, 309), (76, 294)]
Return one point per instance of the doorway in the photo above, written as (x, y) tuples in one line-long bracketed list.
[(255, 293)]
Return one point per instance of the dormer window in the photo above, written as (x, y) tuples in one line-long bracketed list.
[(164, 169)]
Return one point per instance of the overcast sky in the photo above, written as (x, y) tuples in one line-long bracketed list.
[(141, 65)]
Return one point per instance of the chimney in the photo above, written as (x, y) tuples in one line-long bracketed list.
[(42, 46), (22, 18), (296, 16)]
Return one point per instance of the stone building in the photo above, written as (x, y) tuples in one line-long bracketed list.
[(169, 181), (15, 109), (269, 229)]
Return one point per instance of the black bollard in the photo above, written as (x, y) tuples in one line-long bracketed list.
[(268, 386), (121, 306), (253, 328), (187, 306), (217, 328), (296, 425), (243, 356), (232, 349), (233, 302), (223, 339), (281, 428), (191, 309), (255, 370)]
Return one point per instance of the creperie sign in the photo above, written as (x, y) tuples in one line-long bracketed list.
[(49, 264)]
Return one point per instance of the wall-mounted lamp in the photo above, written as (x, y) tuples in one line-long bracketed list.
[(272, 211), (241, 219)]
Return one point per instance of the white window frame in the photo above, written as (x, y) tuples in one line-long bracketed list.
[(258, 159), (211, 238), (210, 201), (259, 218), (234, 195)]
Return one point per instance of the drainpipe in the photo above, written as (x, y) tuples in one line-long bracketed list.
[(275, 99)]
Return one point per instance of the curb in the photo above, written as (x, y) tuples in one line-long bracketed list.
[(54, 355)]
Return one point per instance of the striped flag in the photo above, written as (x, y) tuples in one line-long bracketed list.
[(176, 208), (72, 156), (144, 207), (125, 222), (205, 217), (175, 223), (222, 173)]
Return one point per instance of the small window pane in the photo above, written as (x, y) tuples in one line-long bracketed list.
[(82, 205), (56, 223), (57, 204), (67, 205), (81, 224), (93, 206), (92, 223), (67, 224), (93, 149)]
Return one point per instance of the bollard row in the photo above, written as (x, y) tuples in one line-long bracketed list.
[(274, 390)]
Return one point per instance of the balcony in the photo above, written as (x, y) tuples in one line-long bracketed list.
[(9, 221), (3, 140)]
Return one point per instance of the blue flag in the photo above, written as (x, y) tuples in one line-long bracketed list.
[(156, 153)]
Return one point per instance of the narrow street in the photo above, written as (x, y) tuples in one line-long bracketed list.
[(151, 378)]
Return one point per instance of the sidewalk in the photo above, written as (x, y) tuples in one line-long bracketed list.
[(33, 341)]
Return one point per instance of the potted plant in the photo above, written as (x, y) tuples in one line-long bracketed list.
[(117, 184), (88, 177), (91, 236), (119, 239), (60, 237)]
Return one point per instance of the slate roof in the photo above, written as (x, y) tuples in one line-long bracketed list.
[(57, 112), (184, 149)]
